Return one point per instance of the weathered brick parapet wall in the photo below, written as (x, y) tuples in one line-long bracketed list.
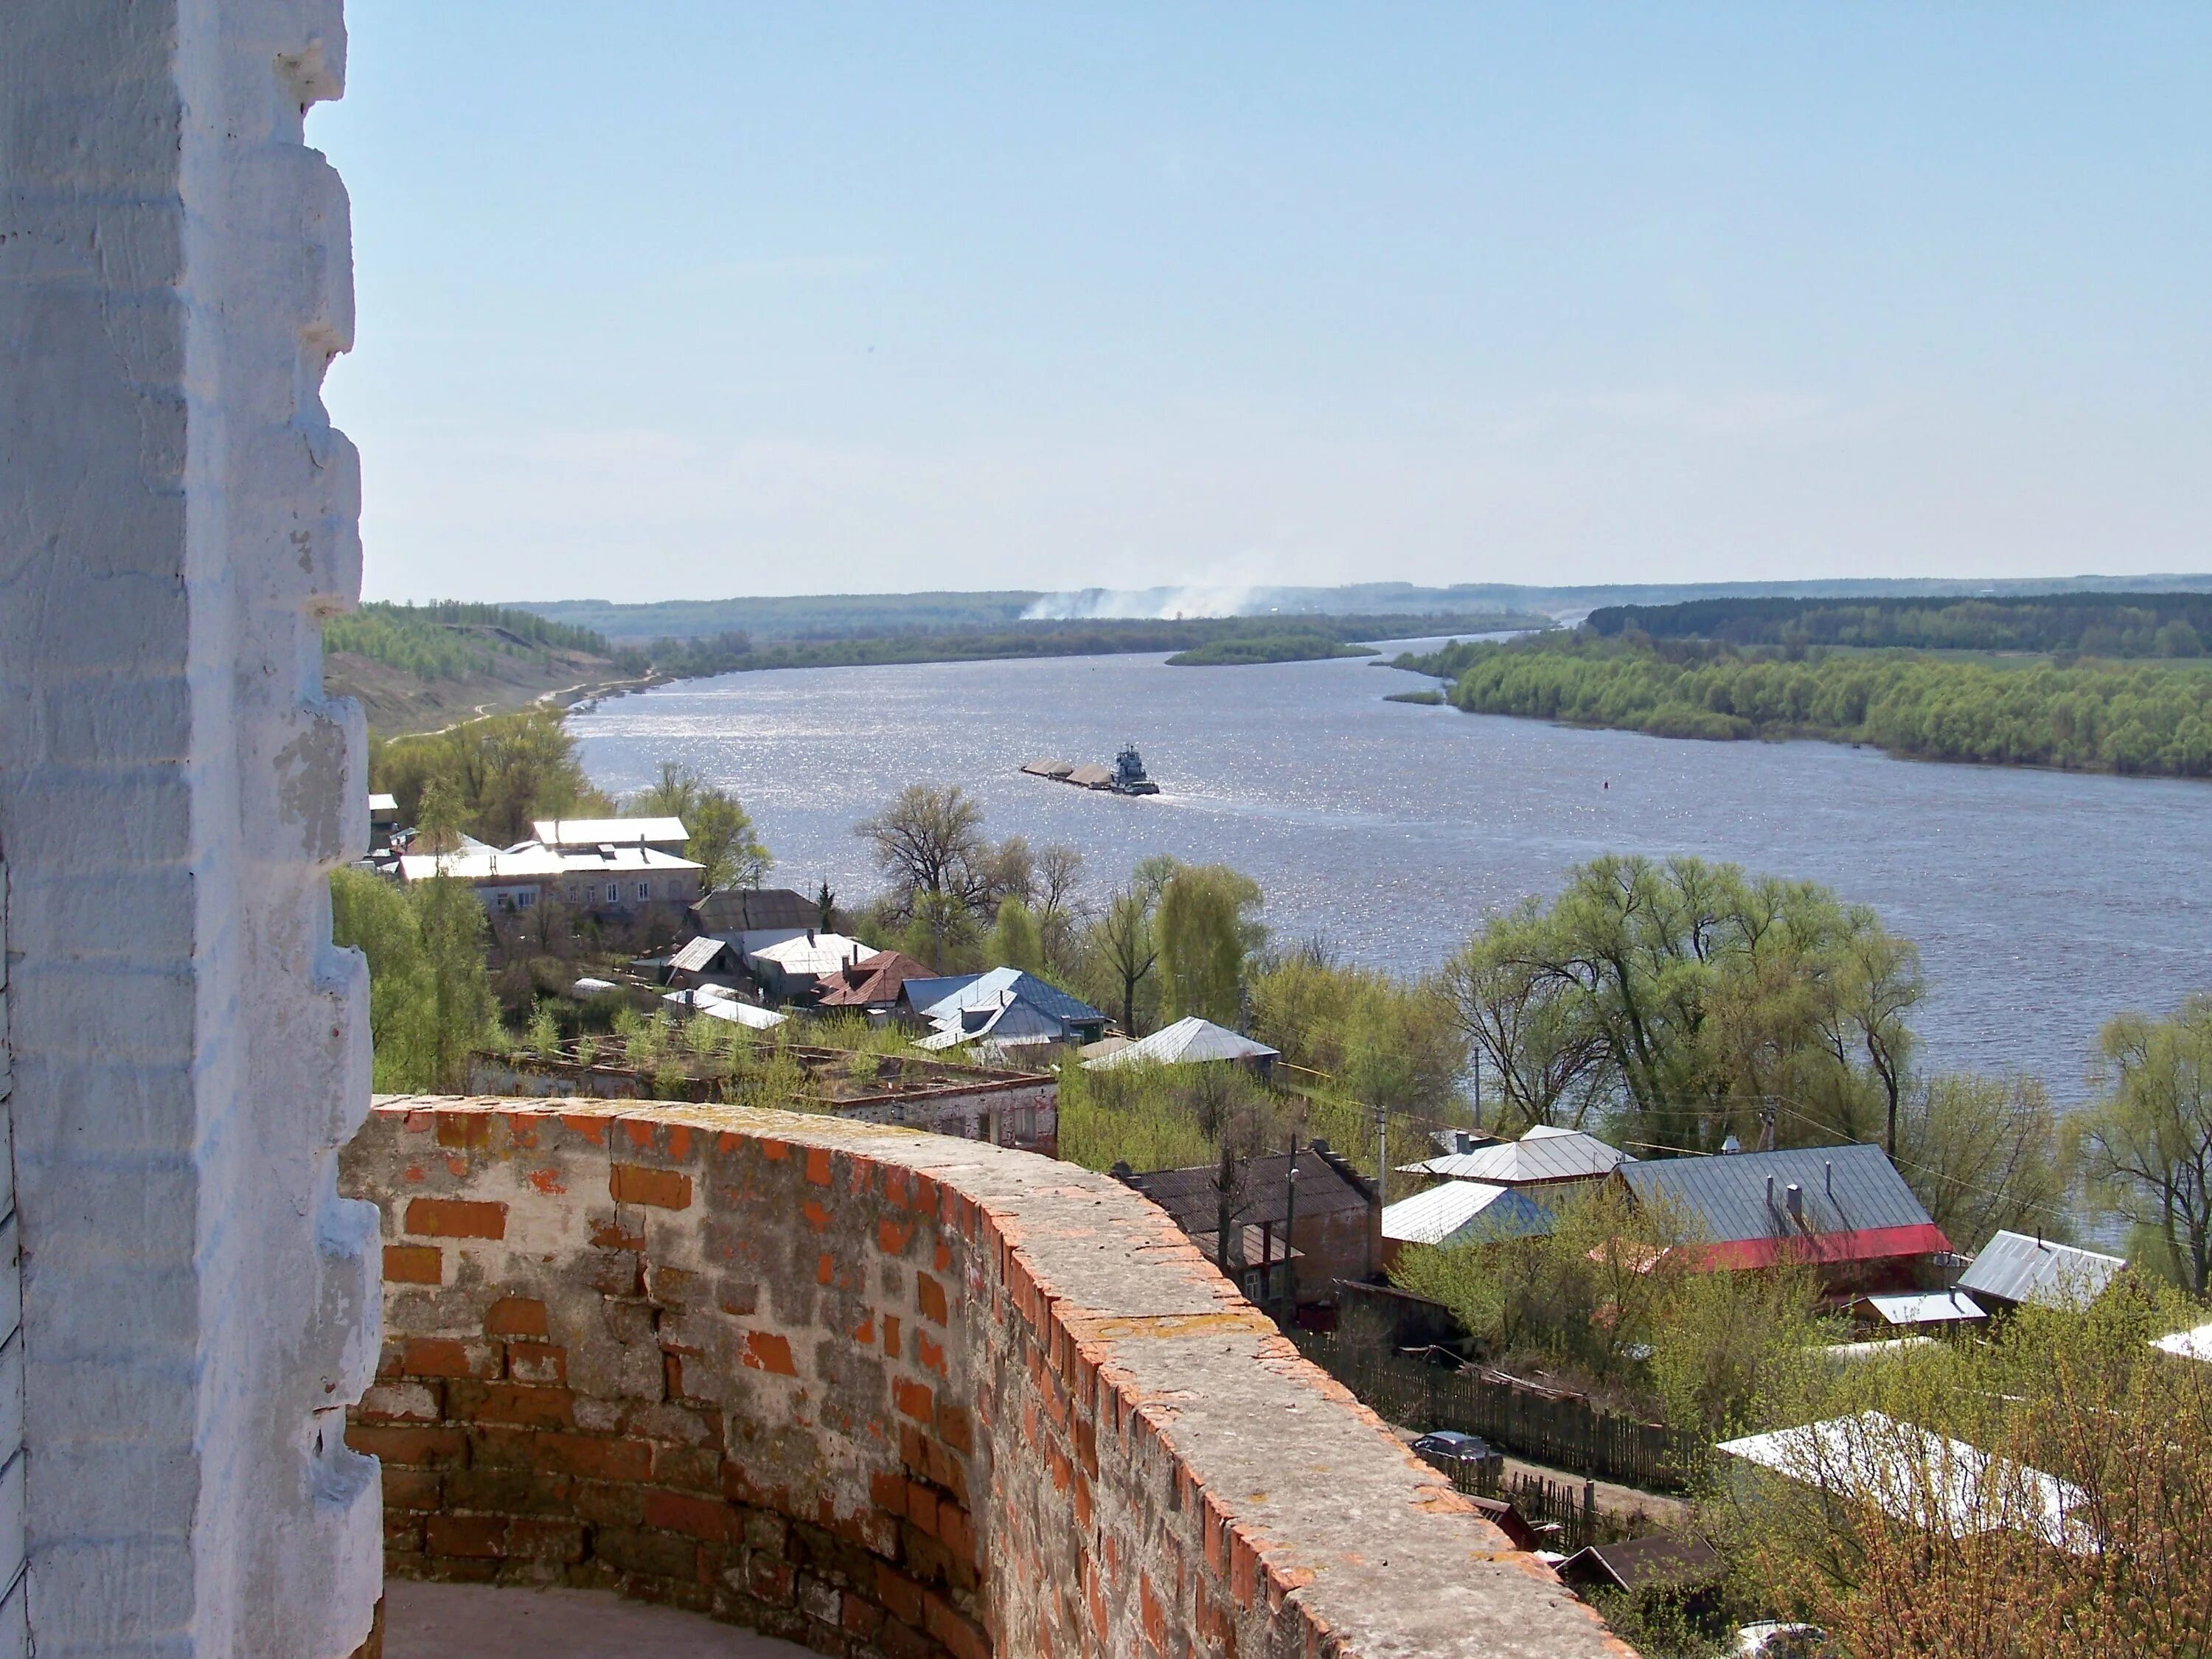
[(884, 1393)]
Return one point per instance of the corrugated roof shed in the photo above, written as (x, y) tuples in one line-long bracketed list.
[(1459, 1212), (1923, 1308), (1852, 1205), (1190, 1041), (2015, 1268), (697, 956), (1915, 1476), (1542, 1155)]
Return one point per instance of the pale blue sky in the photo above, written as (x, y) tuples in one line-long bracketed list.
[(670, 300)]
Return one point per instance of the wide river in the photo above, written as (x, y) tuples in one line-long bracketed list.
[(2043, 901)]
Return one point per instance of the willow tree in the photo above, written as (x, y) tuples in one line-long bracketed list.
[(2146, 1145), (1206, 931), (1692, 1002)]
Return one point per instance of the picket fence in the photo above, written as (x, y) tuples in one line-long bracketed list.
[(1565, 1431)]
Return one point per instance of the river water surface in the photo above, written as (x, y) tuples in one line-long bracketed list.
[(2043, 902)]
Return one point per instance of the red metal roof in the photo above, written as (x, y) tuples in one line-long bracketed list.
[(1813, 1249)]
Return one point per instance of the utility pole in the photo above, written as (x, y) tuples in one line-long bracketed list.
[(1291, 1227), (1383, 1154)]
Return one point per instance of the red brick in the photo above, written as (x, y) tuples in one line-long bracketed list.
[(412, 1489), (961, 1638), (954, 1428), (466, 1534), (537, 1362), (665, 1189), (456, 1217), (414, 1264), (921, 1507), (546, 1540), (516, 1316), (438, 1356), (697, 1518), (818, 1165), (913, 1399), (956, 1530), (899, 1596), (887, 1491), (765, 1351), (462, 1129), (929, 1296), (420, 1448), (771, 1581), (861, 1619), (521, 1404), (892, 1235)]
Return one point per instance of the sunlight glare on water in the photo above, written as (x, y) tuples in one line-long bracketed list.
[(2043, 902)]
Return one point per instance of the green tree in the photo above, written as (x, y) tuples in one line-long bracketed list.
[(1205, 927), (1121, 949), (723, 842), (1984, 1154), (2146, 1145), (461, 1010), (374, 917), (1015, 940), (495, 776), (429, 997), (1382, 1041)]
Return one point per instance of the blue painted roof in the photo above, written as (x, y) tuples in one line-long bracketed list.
[(999, 985)]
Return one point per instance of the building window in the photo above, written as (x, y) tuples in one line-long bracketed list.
[(591, 895), (644, 891), (524, 901)]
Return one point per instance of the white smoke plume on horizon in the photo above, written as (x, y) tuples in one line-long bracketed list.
[(1148, 603)]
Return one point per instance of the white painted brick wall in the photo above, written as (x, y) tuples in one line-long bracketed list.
[(176, 516)]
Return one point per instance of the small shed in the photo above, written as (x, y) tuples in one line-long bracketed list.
[(1673, 1562), (1911, 1311), (1190, 1042), (2014, 1270), (1462, 1212), (704, 960)]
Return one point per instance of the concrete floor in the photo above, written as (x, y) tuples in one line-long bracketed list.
[(476, 1621)]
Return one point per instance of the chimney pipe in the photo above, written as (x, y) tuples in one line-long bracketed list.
[(1795, 1198), (1828, 1177), (1770, 1192)]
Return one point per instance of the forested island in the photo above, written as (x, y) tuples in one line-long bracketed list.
[(416, 668), (2146, 715)]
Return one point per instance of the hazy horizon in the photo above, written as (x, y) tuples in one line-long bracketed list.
[(870, 301)]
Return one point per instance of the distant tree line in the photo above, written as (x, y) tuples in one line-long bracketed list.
[(2091, 625), (2148, 719)]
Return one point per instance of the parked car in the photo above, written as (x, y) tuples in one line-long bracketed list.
[(1449, 1450)]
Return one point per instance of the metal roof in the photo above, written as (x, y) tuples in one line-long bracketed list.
[(2015, 1268), (2189, 1344), (619, 858), (998, 986), (1924, 1308), (756, 909), (1463, 1212), (1542, 1155), (1657, 1558), (817, 954), (1915, 1476), (1852, 1203), (592, 832), (384, 803), (485, 865), (695, 957), (1189, 1042)]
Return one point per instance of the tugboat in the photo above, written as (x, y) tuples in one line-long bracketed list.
[(1129, 777)]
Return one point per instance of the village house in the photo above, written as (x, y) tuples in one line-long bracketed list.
[(1310, 1201), (2014, 1270), (589, 835), (872, 985), (1843, 1211), (1189, 1042), (737, 914), (1545, 1157), (1462, 1213), (1005, 1006), (792, 970)]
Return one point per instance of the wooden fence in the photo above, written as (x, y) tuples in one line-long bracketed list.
[(1565, 1431), (1570, 1507)]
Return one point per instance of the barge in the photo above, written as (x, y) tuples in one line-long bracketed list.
[(1125, 777)]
